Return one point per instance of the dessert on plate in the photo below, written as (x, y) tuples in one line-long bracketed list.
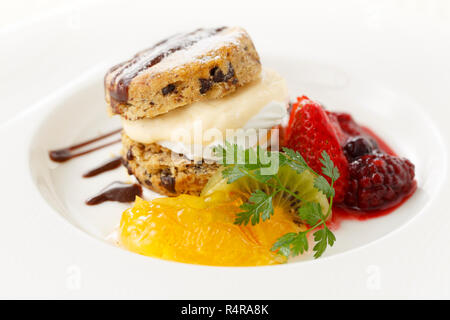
[(190, 106), (209, 80)]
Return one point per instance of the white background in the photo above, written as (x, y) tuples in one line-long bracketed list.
[(47, 44)]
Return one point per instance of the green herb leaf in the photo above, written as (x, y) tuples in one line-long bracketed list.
[(229, 154), (322, 184), (311, 213), (299, 244), (291, 244), (284, 244), (258, 207), (250, 163), (322, 237), (331, 237), (220, 152), (329, 169), (295, 160), (233, 173), (264, 178)]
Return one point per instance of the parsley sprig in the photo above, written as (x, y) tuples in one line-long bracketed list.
[(251, 163)]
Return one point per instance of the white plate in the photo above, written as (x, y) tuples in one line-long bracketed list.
[(55, 245), (81, 115)]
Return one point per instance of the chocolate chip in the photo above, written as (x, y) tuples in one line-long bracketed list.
[(168, 89), (130, 155), (213, 71), (126, 165), (168, 182), (230, 73), (217, 74), (148, 182), (205, 85)]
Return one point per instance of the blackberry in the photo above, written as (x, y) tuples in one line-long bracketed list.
[(358, 146), (379, 181)]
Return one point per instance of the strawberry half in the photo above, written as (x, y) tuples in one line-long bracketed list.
[(310, 131)]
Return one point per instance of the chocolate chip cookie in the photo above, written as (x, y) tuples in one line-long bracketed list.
[(200, 65), (156, 168)]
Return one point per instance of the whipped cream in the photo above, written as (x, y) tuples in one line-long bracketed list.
[(258, 105), (273, 114)]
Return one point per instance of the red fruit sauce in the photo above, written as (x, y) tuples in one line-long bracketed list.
[(341, 213), (311, 127)]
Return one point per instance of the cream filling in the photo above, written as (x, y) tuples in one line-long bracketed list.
[(259, 105), (271, 115)]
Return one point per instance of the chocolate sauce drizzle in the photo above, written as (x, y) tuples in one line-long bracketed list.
[(107, 166), (65, 154), (126, 71), (116, 191)]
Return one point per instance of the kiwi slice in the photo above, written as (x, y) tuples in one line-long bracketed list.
[(301, 184)]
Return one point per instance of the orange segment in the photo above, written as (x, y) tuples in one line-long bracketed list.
[(200, 230)]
